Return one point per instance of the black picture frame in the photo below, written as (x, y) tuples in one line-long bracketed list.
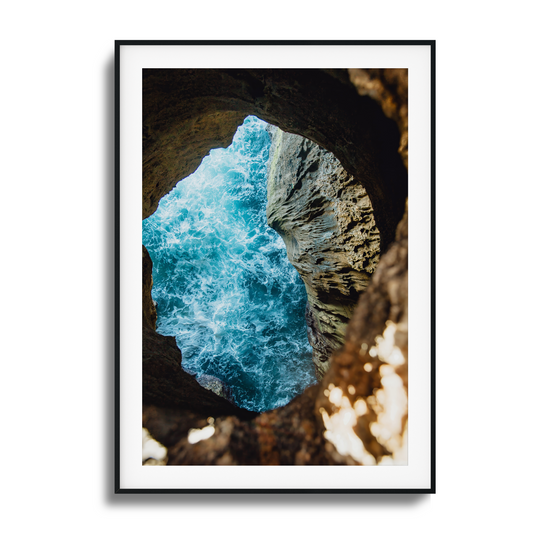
[(126, 47)]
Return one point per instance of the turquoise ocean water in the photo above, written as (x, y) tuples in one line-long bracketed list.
[(223, 285)]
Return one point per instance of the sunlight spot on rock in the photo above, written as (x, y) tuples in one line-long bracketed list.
[(385, 346), (387, 406), (360, 407), (339, 431), (196, 435), (390, 405), (388, 402), (386, 370), (335, 396), (153, 453), (400, 454), (345, 402)]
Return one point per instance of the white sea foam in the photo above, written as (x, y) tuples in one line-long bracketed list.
[(222, 281)]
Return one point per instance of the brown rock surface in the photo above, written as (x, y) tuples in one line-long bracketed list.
[(326, 221), (285, 436), (149, 311), (371, 368)]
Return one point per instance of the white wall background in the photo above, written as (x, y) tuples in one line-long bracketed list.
[(56, 129)]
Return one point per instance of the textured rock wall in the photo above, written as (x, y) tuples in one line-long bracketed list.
[(357, 415), (149, 311), (325, 218), (363, 398)]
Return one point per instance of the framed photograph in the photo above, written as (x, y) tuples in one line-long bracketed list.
[(275, 274)]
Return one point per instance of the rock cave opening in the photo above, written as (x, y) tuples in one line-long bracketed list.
[(353, 128), (222, 282), (259, 257)]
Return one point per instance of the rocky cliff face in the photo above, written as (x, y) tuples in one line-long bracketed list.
[(325, 218), (149, 311)]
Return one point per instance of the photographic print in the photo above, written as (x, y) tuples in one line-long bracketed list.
[(276, 289)]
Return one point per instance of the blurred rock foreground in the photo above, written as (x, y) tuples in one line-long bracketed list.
[(339, 200)]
